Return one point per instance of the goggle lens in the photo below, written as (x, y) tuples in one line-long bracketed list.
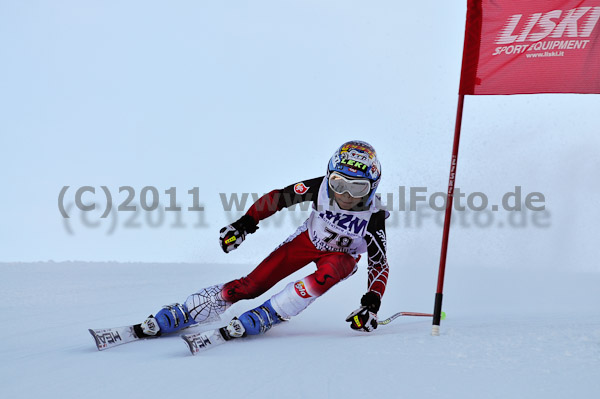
[(356, 188)]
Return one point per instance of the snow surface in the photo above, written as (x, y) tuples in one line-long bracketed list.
[(508, 334)]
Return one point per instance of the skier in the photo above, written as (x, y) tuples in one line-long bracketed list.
[(344, 223)]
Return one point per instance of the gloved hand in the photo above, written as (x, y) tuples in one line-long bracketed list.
[(234, 234), (365, 317)]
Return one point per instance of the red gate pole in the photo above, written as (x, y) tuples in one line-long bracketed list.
[(437, 310)]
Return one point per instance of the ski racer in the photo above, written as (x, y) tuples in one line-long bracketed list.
[(345, 222)]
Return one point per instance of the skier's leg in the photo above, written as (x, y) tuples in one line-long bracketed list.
[(297, 252), (209, 303), (292, 255), (295, 297), (202, 307)]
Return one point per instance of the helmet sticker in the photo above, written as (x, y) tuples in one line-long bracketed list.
[(355, 164), (356, 147), (336, 160), (374, 171), (355, 155)]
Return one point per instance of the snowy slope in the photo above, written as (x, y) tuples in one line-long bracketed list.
[(508, 334)]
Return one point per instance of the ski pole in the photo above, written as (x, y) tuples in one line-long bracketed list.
[(395, 316)]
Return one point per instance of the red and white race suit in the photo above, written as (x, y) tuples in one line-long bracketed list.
[(331, 237)]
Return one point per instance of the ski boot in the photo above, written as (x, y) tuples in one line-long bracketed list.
[(256, 321), (169, 319)]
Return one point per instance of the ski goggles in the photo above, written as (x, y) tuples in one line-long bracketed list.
[(357, 188)]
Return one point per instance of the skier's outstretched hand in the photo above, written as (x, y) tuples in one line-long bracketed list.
[(365, 317), (234, 234)]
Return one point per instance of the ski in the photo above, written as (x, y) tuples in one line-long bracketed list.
[(202, 341), (107, 338)]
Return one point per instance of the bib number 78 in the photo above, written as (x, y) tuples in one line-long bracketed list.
[(341, 241)]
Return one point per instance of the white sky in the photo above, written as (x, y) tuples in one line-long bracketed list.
[(247, 96)]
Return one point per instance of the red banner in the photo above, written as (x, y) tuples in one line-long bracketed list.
[(531, 46)]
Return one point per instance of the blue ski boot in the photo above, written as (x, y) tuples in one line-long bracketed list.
[(169, 319), (256, 321)]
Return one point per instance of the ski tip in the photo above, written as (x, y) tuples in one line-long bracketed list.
[(443, 315), (191, 344), (95, 338)]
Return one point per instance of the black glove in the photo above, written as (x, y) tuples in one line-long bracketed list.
[(365, 317), (234, 234)]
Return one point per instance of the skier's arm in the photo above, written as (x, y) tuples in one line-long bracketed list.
[(378, 269), (234, 234), (365, 317), (276, 200)]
